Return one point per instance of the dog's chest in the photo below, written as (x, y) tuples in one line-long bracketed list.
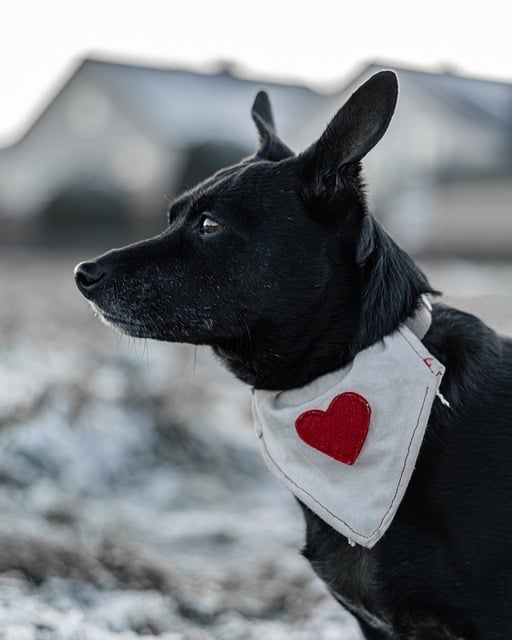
[(355, 588), (350, 573), (360, 579), (363, 600)]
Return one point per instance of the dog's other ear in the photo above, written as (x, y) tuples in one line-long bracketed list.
[(271, 147), (354, 130)]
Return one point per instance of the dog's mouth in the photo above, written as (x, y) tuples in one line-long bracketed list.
[(128, 326), (137, 328)]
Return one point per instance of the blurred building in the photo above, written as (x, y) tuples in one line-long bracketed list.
[(441, 178), (118, 139)]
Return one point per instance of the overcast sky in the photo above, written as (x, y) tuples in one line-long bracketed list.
[(322, 44)]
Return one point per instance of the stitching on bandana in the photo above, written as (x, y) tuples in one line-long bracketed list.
[(285, 475), (420, 356), (405, 461)]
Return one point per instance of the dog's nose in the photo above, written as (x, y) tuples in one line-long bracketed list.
[(88, 275)]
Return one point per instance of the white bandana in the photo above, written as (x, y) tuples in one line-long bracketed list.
[(346, 444)]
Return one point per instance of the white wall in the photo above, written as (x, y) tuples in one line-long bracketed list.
[(82, 137)]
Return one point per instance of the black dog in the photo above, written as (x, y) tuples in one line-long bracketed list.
[(278, 265)]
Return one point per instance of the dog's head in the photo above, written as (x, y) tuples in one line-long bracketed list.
[(264, 258)]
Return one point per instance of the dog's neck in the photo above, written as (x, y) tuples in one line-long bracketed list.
[(388, 293)]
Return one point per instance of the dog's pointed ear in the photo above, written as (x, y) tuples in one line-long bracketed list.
[(270, 147), (353, 132)]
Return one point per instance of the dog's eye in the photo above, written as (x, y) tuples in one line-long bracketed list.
[(209, 226)]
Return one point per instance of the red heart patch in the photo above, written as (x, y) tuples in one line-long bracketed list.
[(340, 431)]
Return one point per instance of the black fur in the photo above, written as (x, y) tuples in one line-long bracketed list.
[(294, 279)]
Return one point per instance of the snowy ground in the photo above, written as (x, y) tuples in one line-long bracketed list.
[(133, 501)]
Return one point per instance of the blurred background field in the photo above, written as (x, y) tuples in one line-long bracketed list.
[(133, 501)]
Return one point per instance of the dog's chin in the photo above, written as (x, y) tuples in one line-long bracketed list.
[(132, 329), (138, 329), (123, 325)]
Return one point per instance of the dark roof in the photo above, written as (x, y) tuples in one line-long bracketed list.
[(479, 98), (186, 106)]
